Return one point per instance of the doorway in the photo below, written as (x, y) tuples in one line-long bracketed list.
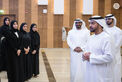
[(11, 16)]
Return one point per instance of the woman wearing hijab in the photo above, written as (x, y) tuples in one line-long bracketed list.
[(4, 30), (25, 47), (14, 58), (35, 45)]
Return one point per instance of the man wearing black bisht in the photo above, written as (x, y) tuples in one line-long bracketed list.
[(35, 45), (15, 70), (4, 33), (25, 47)]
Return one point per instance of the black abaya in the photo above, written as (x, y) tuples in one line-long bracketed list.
[(4, 30), (26, 42), (35, 45)]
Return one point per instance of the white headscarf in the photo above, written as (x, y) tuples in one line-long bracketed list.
[(100, 20), (83, 26), (111, 16)]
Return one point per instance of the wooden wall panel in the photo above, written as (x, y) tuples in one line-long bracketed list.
[(120, 18), (121, 3), (72, 12), (6, 6), (116, 12), (28, 13), (101, 7), (34, 11), (66, 18), (86, 18), (13, 7), (1, 1), (60, 42), (50, 24), (58, 24), (21, 12), (120, 14), (42, 26), (95, 7), (107, 7), (79, 8)]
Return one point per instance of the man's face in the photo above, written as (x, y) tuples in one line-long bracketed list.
[(78, 25), (7, 21), (109, 21), (93, 26)]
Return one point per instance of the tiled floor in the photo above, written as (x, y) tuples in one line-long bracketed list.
[(59, 60), (60, 63)]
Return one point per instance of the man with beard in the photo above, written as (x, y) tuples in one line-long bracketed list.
[(98, 54), (117, 36), (77, 38)]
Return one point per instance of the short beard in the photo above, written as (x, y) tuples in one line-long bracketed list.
[(92, 30), (109, 23), (78, 27)]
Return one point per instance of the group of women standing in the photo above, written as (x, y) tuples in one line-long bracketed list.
[(19, 51)]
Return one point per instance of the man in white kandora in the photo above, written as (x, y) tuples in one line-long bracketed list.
[(98, 54), (77, 38), (117, 35)]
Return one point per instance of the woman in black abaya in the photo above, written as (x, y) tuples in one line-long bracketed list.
[(25, 46), (4, 30), (35, 45), (14, 58)]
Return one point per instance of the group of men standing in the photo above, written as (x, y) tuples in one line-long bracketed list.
[(96, 57)]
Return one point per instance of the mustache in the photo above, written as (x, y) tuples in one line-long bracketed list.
[(90, 27), (109, 23)]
